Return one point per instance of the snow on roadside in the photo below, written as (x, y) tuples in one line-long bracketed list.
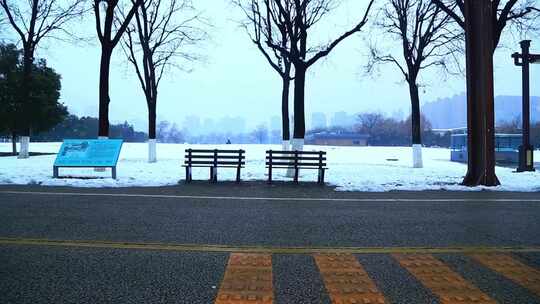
[(350, 169)]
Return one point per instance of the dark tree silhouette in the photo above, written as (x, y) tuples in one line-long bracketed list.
[(108, 40), (299, 17), (428, 40), (9, 68), (46, 111), (163, 32), (266, 23), (33, 21), (505, 13)]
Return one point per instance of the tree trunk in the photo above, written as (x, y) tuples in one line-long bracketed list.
[(415, 114), (104, 100), (299, 99), (286, 130), (480, 95), (152, 120), (416, 128), (152, 153), (14, 143), (26, 102)]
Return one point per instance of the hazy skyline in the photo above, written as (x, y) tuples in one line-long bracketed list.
[(236, 81)]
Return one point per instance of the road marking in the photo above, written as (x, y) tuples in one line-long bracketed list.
[(449, 286), (248, 279), (259, 249), (511, 268), (346, 281), (298, 199)]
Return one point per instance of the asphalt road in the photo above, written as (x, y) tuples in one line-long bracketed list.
[(42, 229)]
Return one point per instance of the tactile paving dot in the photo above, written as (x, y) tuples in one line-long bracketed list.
[(511, 268), (346, 280), (248, 279), (449, 286)]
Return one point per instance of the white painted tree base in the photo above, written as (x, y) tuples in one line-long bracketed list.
[(417, 156), (25, 147), (101, 169), (285, 145), (152, 154), (297, 144)]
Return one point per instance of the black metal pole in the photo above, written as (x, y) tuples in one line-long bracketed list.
[(526, 161)]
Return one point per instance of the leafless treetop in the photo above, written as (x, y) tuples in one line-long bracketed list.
[(34, 20)]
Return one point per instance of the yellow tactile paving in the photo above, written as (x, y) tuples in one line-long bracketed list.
[(248, 279), (346, 280), (511, 268), (449, 286)]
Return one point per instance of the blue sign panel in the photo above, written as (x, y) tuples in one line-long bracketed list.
[(89, 153)]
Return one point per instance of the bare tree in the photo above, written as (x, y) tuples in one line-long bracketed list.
[(517, 13), (299, 17), (33, 21), (428, 40), (266, 23), (113, 19), (163, 33), (369, 121)]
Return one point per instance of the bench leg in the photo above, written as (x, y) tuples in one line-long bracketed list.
[(188, 174), (113, 169), (211, 174), (238, 174), (214, 175), (296, 174), (269, 174), (55, 172), (322, 176)]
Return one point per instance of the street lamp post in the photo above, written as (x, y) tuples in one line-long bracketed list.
[(526, 160)]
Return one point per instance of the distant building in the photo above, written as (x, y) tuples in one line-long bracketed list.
[(318, 121), (275, 123), (192, 125), (337, 139), (342, 119)]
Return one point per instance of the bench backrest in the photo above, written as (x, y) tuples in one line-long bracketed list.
[(296, 158), (215, 157)]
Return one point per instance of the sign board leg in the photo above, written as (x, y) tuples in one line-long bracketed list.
[(55, 171), (114, 172)]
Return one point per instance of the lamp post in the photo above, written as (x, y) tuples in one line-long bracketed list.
[(524, 60)]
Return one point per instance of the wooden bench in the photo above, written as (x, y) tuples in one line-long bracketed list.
[(214, 159), (297, 160)]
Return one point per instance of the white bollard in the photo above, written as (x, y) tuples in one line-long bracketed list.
[(25, 147), (417, 156)]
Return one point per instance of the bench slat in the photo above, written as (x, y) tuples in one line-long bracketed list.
[(206, 166), (288, 164), (306, 168), (293, 158), (200, 162), (212, 151), (295, 152), (218, 156)]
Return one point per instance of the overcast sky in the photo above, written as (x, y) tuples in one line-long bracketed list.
[(235, 80)]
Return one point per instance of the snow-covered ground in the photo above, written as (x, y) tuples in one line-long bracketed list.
[(350, 168)]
